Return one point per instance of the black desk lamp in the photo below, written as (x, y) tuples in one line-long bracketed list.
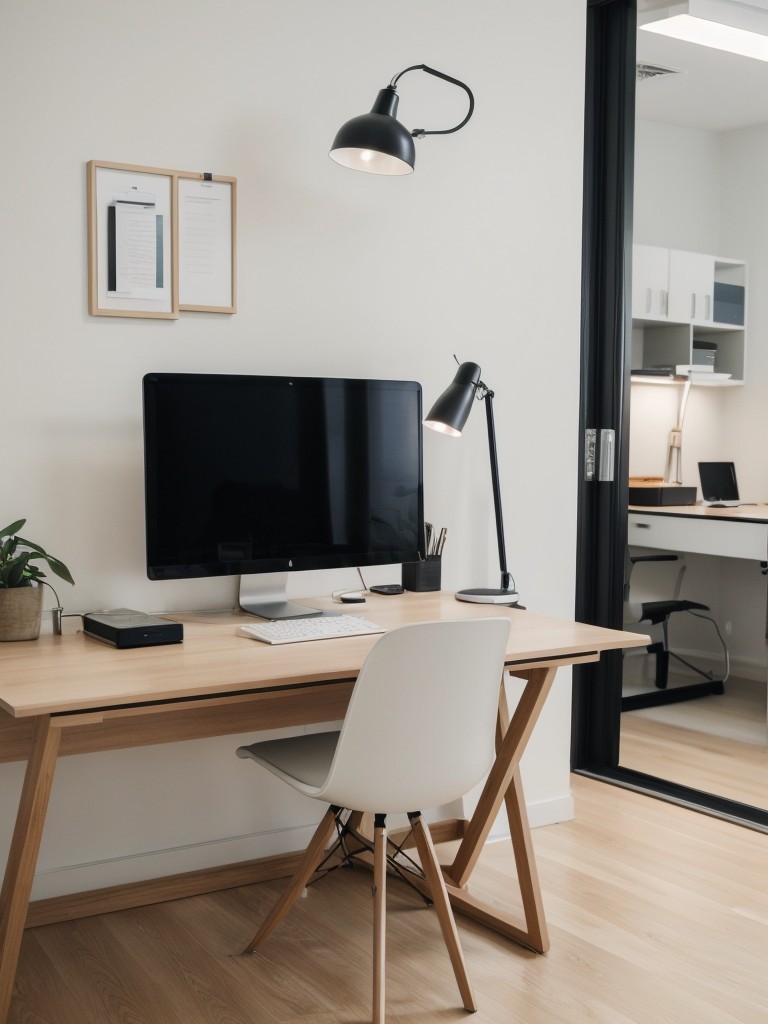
[(378, 142), (448, 416)]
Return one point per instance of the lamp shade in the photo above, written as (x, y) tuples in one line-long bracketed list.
[(451, 410), (376, 142)]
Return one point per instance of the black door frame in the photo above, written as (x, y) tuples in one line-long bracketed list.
[(605, 342)]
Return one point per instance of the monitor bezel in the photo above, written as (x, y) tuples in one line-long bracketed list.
[(298, 562)]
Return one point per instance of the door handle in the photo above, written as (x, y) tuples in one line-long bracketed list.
[(607, 444)]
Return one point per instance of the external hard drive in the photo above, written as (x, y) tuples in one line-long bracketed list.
[(123, 627)]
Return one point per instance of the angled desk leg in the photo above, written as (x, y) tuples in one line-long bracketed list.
[(25, 846), (504, 784)]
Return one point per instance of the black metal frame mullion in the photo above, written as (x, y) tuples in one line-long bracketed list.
[(606, 334)]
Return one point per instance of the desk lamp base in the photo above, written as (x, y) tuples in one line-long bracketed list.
[(484, 595)]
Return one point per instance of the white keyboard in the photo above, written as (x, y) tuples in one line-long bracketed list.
[(318, 627)]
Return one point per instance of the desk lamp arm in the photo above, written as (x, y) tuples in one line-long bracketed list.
[(487, 395)]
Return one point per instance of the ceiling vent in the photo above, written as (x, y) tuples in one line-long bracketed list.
[(646, 71)]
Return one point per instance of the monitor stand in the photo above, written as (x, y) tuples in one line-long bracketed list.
[(264, 594)]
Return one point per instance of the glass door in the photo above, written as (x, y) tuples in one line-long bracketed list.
[(683, 175), (700, 166)]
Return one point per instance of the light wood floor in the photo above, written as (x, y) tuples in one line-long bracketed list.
[(658, 915), (718, 744)]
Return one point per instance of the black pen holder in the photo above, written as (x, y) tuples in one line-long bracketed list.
[(422, 576)]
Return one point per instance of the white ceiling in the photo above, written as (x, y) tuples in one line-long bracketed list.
[(717, 91)]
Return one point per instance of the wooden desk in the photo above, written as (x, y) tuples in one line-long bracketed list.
[(71, 694)]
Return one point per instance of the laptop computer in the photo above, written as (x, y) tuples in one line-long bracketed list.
[(718, 484)]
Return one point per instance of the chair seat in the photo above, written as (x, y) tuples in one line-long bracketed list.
[(301, 761), (658, 611)]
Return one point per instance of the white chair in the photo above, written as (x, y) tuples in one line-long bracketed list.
[(418, 733)]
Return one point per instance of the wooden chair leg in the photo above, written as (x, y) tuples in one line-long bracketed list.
[(312, 857), (379, 917), (434, 875)]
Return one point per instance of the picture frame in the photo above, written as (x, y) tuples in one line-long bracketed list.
[(206, 242), (131, 241)]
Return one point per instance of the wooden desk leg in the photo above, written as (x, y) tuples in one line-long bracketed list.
[(522, 846), (22, 858), (504, 784)]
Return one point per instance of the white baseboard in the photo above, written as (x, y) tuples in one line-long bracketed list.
[(74, 878), (543, 812), (749, 669), (84, 877), (742, 668)]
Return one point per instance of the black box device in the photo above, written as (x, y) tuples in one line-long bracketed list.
[(123, 627)]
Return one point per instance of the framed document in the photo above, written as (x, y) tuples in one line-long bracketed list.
[(131, 265), (206, 239)]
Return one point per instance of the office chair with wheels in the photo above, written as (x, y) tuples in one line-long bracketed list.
[(418, 733), (658, 613)]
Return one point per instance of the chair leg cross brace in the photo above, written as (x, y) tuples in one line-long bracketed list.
[(432, 879), (352, 844)]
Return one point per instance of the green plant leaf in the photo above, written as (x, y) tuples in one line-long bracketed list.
[(17, 570), (60, 569), (10, 530)]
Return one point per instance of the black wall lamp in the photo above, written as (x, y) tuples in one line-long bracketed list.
[(377, 142), (448, 416)]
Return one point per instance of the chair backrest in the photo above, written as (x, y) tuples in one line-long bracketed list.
[(420, 726), (633, 606)]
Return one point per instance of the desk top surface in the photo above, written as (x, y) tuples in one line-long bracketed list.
[(75, 673), (757, 513)]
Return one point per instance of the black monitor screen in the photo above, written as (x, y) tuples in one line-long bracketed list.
[(718, 481), (252, 474)]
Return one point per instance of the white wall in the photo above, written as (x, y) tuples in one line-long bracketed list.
[(476, 254), (677, 187)]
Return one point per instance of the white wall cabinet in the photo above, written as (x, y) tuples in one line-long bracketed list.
[(673, 306), (650, 282), (691, 287)]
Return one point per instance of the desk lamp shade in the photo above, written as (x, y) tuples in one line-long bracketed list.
[(448, 416), (451, 411), (377, 142)]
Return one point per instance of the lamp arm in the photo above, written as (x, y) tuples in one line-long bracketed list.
[(488, 397), (419, 133)]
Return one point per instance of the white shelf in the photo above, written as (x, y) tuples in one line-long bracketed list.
[(672, 304), (678, 379)]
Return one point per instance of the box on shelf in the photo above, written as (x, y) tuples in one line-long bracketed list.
[(704, 354), (729, 304)]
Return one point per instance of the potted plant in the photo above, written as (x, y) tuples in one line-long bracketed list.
[(21, 593)]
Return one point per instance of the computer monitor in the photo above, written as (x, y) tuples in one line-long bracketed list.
[(260, 476), (718, 483)]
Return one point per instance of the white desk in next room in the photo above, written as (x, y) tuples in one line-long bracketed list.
[(740, 532)]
